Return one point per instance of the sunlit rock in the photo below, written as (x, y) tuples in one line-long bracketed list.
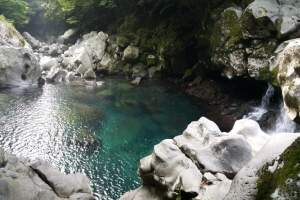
[(251, 131), (70, 36), (56, 74), (18, 66), (287, 63), (89, 74), (171, 170), (47, 63), (9, 36)]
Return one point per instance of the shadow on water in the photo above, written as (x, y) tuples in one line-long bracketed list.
[(102, 132)]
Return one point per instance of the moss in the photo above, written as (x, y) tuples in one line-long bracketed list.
[(270, 76), (12, 31), (127, 70), (268, 182), (197, 81)]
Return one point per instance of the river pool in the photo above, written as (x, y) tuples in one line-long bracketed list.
[(102, 132)]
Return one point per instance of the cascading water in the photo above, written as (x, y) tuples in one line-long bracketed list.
[(263, 108), (282, 124)]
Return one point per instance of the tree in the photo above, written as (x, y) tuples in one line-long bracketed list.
[(15, 10)]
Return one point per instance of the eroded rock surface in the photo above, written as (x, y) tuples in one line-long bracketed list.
[(21, 178)]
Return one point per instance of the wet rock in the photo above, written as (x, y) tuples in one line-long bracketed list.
[(85, 137)]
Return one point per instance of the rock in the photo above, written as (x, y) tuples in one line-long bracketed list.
[(215, 186), (122, 41), (170, 170), (204, 143), (144, 192), (285, 26), (47, 63), (89, 74), (35, 44), (56, 74), (244, 184), (131, 54), (18, 67), (136, 81), (22, 179), (82, 196), (9, 36), (251, 131), (139, 70), (287, 64), (87, 51), (63, 185), (70, 36)]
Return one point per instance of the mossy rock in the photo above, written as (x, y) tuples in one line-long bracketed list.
[(197, 81), (284, 179), (122, 41), (127, 70)]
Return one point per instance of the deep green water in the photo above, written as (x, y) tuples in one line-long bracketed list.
[(102, 132)]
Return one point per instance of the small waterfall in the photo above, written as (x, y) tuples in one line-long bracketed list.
[(258, 112), (283, 122)]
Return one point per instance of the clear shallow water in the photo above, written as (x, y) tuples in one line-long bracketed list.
[(102, 132)]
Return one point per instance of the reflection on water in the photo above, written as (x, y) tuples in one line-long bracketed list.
[(101, 132)]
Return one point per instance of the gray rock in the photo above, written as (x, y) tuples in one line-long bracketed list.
[(213, 151), (9, 36), (131, 54), (89, 74), (70, 36), (285, 26), (143, 193), (18, 66), (82, 196), (47, 63), (56, 74), (287, 63), (35, 44), (244, 183), (63, 185), (87, 51), (170, 169)]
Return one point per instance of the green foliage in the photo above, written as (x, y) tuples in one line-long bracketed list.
[(15, 10), (269, 182)]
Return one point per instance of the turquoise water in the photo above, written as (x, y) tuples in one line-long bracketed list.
[(102, 132)]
